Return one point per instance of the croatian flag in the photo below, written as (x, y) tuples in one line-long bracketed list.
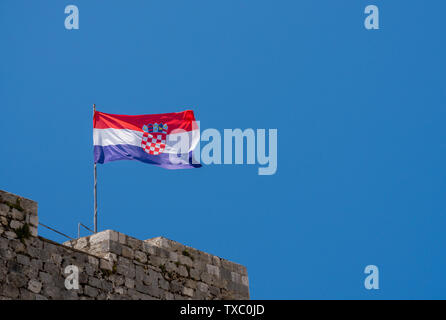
[(165, 140)]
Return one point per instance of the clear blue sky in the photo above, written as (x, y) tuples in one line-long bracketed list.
[(360, 117)]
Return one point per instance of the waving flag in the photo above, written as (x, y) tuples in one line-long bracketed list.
[(165, 140)]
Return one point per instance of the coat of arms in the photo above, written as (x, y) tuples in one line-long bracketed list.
[(154, 138)]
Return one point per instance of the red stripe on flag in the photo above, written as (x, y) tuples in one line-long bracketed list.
[(184, 120)]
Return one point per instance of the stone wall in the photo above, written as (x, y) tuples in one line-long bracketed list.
[(111, 265)]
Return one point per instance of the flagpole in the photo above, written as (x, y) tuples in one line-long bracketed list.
[(95, 192)]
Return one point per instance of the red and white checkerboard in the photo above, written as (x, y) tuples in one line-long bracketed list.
[(153, 143)]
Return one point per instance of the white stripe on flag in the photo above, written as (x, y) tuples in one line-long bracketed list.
[(107, 137)]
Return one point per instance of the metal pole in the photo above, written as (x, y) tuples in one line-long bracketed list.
[(95, 192), (79, 225), (63, 234)]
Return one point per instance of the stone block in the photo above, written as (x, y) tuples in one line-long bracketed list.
[(194, 274), (45, 277), (213, 270), (216, 261), (36, 264), (17, 246), (154, 291), (166, 295), (93, 261), (228, 265), (94, 282), (140, 256), (117, 280), (30, 272), (235, 277), (14, 224), (133, 243), (4, 243), (245, 281), (99, 237), (139, 273), (14, 267), (113, 235), (51, 268), (149, 248), (171, 267), (29, 206), (33, 231), (122, 238), (33, 220), (129, 283), (214, 290), (107, 286), (156, 261), (69, 295), (163, 284), (185, 260), (160, 242), (50, 247), (4, 209), (203, 287), (7, 197), (56, 259), (113, 257), (23, 260), (10, 291), (190, 283), (17, 215), (188, 291), (40, 254), (26, 294), (81, 244), (126, 271), (4, 221), (113, 247), (121, 290), (163, 253), (90, 291), (34, 286), (175, 287), (106, 265), (127, 252), (90, 269), (182, 270), (16, 279)]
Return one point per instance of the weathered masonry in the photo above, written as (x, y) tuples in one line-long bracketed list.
[(111, 265)]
